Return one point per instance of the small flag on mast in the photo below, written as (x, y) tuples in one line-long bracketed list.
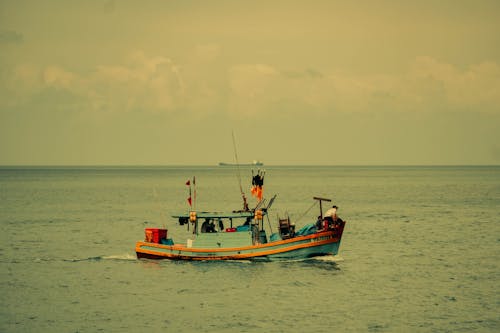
[(188, 183), (194, 185)]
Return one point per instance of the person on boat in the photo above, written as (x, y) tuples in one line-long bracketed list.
[(337, 221), (319, 223), (205, 226), (208, 226), (211, 226), (331, 217)]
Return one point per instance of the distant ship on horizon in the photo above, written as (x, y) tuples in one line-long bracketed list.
[(254, 163)]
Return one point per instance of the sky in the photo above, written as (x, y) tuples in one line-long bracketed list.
[(103, 82)]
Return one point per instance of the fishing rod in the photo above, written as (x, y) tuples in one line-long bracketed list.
[(245, 204)]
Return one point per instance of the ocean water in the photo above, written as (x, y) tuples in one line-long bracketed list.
[(420, 252)]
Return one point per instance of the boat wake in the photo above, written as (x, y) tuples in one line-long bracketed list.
[(118, 257), (329, 263), (126, 256), (319, 259), (131, 257), (332, 259)]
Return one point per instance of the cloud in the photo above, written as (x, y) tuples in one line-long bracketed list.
[(477, 87), (256, 88), (251, 79), (207, 52), (10, 37), (54, 76), (308, 73), (146, 83), (142, 83)]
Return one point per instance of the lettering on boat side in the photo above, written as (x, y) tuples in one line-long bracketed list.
[(319, 239)]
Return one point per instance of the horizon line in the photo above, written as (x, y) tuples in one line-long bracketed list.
[(233, 166)]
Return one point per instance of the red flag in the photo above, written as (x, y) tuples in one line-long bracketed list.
[(194, 186), (188, 183)]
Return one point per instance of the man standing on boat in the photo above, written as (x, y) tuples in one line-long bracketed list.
[(331, 216)]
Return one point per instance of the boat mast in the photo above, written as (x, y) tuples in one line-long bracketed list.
[(320, 204), (245, 203)]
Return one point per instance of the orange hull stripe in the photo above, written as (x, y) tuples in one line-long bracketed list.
[(220, 257), (182, 247)]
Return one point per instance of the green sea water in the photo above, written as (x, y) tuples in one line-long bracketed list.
[(420, 252)]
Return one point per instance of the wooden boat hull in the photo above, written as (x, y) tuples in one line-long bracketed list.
[(300, 247)]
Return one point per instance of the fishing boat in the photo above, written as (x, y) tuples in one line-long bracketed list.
[(240, 235)]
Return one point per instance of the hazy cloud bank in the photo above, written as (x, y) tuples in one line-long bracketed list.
[(147, 83)]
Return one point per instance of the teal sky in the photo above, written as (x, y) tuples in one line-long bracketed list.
[(299, 82)]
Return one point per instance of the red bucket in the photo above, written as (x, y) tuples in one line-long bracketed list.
[(153, 235)]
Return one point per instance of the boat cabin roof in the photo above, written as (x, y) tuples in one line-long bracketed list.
[(215, 215)]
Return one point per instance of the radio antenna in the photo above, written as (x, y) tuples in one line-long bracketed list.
[(245, 204)]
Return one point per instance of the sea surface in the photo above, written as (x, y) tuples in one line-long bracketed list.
[(420, 251)]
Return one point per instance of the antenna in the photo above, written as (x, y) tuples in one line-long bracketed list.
[(245, 204)]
